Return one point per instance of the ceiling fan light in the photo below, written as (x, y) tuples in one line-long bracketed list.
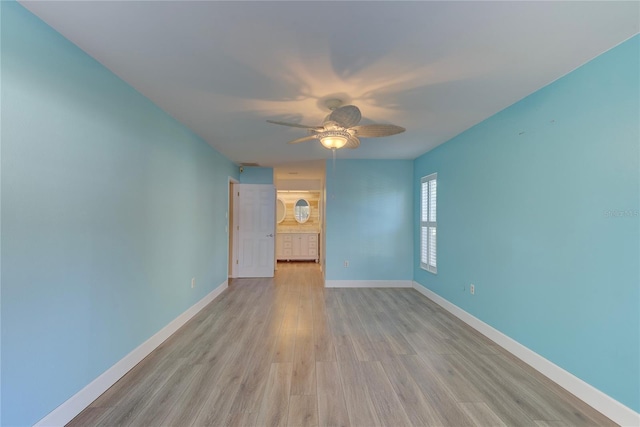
[(334, 139), (332, 142)]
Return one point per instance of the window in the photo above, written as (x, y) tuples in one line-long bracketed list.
[(428, 226)]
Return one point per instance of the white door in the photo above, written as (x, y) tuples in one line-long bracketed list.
[(256, 230)]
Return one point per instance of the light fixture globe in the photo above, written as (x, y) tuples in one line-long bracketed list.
[(334, 139)]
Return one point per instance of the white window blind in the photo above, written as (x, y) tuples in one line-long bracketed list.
[(428, 224)]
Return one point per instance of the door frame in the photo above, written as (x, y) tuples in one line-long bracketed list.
[(232, 228)]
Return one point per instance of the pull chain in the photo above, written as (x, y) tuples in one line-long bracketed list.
[(333, 151)]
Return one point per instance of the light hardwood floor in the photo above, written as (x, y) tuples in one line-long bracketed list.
[(286, 351)]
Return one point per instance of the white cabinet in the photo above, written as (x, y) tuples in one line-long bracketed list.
[(297, 246)]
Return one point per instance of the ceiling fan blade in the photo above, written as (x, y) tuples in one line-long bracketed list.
[(353, 142), (375, 131), (303, 139), (294, 125), (346, 116)]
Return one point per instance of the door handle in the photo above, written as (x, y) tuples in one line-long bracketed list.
[(269, 235)]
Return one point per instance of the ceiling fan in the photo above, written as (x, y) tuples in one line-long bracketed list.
[(340, 129)]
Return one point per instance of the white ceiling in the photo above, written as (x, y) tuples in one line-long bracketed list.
[(435, 68)]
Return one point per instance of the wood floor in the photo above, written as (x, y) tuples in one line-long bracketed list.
[(286, 351)]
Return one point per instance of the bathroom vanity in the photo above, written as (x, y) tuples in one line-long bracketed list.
[(297, 246)]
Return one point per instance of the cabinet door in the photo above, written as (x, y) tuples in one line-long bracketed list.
[(287, 246), (295, 240), (313, 246), (304, 245)]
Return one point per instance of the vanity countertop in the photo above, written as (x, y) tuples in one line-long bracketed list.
[(293, 231)]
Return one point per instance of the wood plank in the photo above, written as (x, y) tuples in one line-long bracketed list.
[(389, 298), (543, 405), (88, 417), (332, 410), (158, 408), (303, 411), (238, 419), (345, 351), (360, 406), (417, 407), (500, 398), (385, 322), (303, 379), (285, 344), (324, 349), (194, 398), (352, 325), (461, 386), (304, 366), (128, 384), (555, 401), (540, 423), (216, 409), (343, 346), (132, 402), (252, 386), (481, 414), (424, 343), (275, 403), (322, 335), (256, 360), (385, 401), (437, 394)]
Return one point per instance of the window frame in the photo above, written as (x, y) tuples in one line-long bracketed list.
[(429, 223)]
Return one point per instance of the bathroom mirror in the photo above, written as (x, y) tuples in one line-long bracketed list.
[(302, 211), (281, 212)]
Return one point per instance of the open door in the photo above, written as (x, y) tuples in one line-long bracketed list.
[(256, 230)]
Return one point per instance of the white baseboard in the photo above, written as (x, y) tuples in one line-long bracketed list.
[(368, 284), (79, 401), (601, 402)]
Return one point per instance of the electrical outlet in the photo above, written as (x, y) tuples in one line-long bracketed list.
[(472, 289), (346, 264), (193, 282)]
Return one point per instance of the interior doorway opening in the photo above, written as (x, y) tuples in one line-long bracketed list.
[(300, 228)]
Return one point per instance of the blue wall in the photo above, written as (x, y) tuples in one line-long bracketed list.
[(256, 175), (369, 216), (109, 208), (538, 207)]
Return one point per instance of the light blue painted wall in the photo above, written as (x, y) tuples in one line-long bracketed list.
[(369, 215), (109, 208), (523, 204), (256, 175)]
